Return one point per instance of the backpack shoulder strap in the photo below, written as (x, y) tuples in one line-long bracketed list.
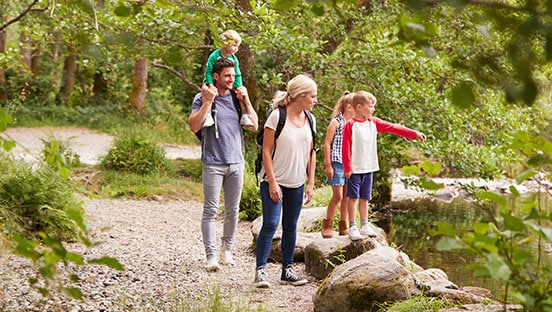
[(236, 102), (310, 118), (281, 121)]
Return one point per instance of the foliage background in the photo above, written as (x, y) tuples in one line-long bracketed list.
[(448, 73)]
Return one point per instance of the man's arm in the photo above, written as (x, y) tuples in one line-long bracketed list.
[(197, 118)]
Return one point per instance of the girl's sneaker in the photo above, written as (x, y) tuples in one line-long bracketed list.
[(289, 277)]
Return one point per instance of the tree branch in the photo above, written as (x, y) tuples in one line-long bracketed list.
[(20, 16), (180, 45), (483, 3), (177, 74)]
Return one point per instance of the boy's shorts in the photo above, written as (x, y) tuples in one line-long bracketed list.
[(360, 186), (338, 176)]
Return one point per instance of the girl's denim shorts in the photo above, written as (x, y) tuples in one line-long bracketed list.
[(338, 177)]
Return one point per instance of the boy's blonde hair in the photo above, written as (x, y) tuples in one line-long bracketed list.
[(344, 100), (300, 84), (363, 98), (231, 37)]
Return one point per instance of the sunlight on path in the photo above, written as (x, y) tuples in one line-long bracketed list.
[(90, 145)]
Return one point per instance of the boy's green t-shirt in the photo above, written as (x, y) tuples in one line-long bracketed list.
[(209, 69)]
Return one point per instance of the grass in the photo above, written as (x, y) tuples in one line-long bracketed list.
[(165, 124), (417, 304)]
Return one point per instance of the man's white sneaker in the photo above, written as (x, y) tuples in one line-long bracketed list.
[(227, 258), (212, 265), (245, 120), (366, 230), (208, 121), (354, 234)]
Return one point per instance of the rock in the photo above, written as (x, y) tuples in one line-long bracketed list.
[(323, 255), (384, 274), (379, 275)]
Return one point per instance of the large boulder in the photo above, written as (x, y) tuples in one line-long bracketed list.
[(382, 274), (323, 255)]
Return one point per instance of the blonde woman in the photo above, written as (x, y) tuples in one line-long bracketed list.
[(288, 162)]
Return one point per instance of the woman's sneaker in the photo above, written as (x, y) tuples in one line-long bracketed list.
[(290, 278), (261, 278)]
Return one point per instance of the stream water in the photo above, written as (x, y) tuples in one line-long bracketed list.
[(408, 227)]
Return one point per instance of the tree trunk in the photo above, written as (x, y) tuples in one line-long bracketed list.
[(100, 84), (139, 85), (69, 73), (25, 52), (35, 62), (3, 82), (247, 61)]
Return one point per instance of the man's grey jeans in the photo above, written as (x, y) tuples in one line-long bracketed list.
[(230, 178)]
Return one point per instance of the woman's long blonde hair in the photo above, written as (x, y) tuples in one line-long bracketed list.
[(300, 84)]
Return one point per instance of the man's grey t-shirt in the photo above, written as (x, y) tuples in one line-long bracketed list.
[(227, 148)]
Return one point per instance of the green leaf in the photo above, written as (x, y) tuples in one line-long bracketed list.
[(492, 197), (525, 175), (538, 160), (430, 184), (497, 267), (77, 216), (449, 244), (431, 168), (513, 223), (8, 145), (108, 261), (75, 258), (480, 270), (481, 228), (411, 170), (25, 248), (445, 229), (73, 292)]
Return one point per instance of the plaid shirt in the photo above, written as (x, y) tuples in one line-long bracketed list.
[(337, 141)]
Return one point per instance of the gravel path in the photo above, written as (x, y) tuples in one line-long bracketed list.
[(158, 242), (160, 245)]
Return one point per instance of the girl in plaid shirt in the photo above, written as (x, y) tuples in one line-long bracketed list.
[(334, 166)]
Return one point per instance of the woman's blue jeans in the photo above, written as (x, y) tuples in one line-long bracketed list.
[(289, 209)]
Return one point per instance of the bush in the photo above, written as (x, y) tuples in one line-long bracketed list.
[(135, 154), (250, 205), (33, 201)]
